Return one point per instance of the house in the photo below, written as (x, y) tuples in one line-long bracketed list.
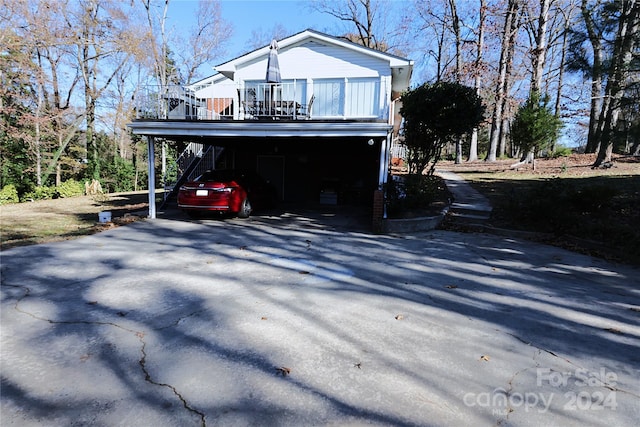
[(321, 133)]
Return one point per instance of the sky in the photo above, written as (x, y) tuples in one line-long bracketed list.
[(247, 16)]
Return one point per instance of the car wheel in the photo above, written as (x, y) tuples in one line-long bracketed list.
[(245, 209)]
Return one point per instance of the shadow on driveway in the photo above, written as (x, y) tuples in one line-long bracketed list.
[(291, 320)]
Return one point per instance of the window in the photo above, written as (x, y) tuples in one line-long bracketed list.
[(363, 97), (329, 99), (353, 97)]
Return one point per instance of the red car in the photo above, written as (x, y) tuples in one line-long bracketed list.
[(225, 190)]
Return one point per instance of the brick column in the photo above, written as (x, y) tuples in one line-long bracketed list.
[(378, 211)]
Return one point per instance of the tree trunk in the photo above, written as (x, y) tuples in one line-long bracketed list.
[(538, 60), (510, 27), (504, 133), (628, 24), (563, 56), (596, 78), (540, 51), (455, 23), (473, 148)]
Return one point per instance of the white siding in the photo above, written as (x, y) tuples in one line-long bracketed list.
[(313, 60), (344, 83)]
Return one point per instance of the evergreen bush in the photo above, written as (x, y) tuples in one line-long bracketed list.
[(413, 192), (40, 193), (71, 188), (9, 194)]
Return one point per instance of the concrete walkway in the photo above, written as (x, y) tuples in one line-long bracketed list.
[(295, 321), (469, 206)]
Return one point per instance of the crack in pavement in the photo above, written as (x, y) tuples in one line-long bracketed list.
[(508, 392), (178, 320), (139, 335), (604, 383), (148, 378)]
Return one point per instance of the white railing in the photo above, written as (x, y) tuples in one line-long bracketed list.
[(169, 102), (297, 99)]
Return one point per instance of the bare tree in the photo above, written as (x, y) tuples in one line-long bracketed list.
[(477, 72), (455, 29), (624, 48), (431, 30), (206, 39), (366, 21), (539, 50), (40, 46), (594, 30), (565, 14), (261, 37), (509, 33), (538, 57), (157, 40), (103, 47), (360, 13)]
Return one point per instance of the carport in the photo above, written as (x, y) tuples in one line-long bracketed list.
[(358, 148)]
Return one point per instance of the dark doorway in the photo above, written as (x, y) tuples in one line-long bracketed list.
[(271, 168)]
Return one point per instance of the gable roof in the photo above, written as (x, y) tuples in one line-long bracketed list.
[(401, 67)]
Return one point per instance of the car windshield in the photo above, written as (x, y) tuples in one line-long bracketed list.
[(226, 175), (217, 176)]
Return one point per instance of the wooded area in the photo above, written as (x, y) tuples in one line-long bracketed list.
[(70, 72)]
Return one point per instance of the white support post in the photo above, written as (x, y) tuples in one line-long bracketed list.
[(383, 174), (152, 176), (384, 161), (345, 98)]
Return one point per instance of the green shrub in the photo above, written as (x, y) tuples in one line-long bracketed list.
[(118, 175), (71, 188), (40, 193), (410, 192), (9, 194), (561, 151)]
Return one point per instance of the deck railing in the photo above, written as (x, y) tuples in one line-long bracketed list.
[(325, 99)]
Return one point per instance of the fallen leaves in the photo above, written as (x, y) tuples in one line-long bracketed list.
[(127, 219)]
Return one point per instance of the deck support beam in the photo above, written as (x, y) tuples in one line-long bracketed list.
[(152, 176)]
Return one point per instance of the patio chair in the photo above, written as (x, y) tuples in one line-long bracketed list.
[(305, 113)]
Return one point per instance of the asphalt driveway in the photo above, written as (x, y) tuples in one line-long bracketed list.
[(292, 321)]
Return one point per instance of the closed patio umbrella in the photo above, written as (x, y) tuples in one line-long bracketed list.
[(273, 66), (273, 75)]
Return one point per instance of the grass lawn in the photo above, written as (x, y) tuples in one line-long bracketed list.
[(567, 202), (61, 219)]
